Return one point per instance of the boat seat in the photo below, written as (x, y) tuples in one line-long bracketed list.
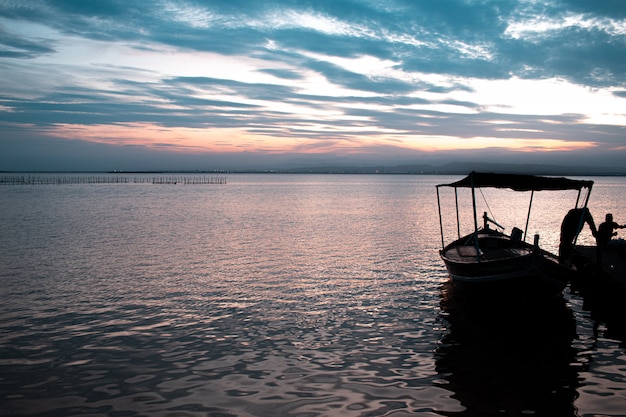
[(500, 253), (466, 251)]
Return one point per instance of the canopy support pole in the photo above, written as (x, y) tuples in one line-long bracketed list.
[(582, 216), (440, 221), (458, 221), (475, 219), (530, 205)]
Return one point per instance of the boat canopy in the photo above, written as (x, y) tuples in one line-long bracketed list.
[(518, 182)]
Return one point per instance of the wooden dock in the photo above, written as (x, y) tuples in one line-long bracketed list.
[(613, 262), (603, 287)]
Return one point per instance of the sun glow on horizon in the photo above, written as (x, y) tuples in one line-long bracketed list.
[(223, 140)]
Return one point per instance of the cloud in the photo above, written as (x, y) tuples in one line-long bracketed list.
[(332, 77)]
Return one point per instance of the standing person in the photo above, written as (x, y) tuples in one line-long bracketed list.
[(606, 231), (572, 225)]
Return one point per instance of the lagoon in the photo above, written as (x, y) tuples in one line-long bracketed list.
[(276, 295)]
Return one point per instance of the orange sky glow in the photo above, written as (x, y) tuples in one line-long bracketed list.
[(200, 140)]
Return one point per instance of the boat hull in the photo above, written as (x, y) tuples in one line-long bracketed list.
[(504, 267)]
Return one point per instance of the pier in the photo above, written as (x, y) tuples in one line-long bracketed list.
[(52, 179), (603, 288)]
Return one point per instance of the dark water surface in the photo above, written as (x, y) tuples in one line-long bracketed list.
[(277, 295)]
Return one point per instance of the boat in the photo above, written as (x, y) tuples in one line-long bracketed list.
[(489, 261)]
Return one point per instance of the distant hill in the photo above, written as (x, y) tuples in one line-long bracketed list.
[(460, 168)]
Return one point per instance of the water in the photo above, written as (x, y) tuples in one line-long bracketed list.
[(276, 295)]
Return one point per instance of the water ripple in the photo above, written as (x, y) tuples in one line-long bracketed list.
[(312, 298)]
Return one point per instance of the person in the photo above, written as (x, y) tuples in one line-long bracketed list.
[(606, 231), (571, 227)]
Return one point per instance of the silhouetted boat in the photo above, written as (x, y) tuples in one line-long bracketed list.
[(487, 260)]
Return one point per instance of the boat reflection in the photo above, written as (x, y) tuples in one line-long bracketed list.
[(508, 358)]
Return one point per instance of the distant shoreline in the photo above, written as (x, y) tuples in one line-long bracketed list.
[(453, 168), (346, 171)]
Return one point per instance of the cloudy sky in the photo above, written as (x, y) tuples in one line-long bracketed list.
[(165, 84)]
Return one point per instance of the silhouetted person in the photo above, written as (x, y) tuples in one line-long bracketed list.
[(571, 226), (606, 231)]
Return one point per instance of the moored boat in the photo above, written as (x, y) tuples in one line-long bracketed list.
[(489, 261)]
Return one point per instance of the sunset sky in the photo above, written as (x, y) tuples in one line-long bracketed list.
[(133, 85)]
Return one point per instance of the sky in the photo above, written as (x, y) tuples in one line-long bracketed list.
[(248, 84)]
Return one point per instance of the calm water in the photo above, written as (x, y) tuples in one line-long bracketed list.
[(278, 295)]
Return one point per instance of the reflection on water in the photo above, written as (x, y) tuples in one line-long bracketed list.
[(271, 296), (271, 357), (508, 358)]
